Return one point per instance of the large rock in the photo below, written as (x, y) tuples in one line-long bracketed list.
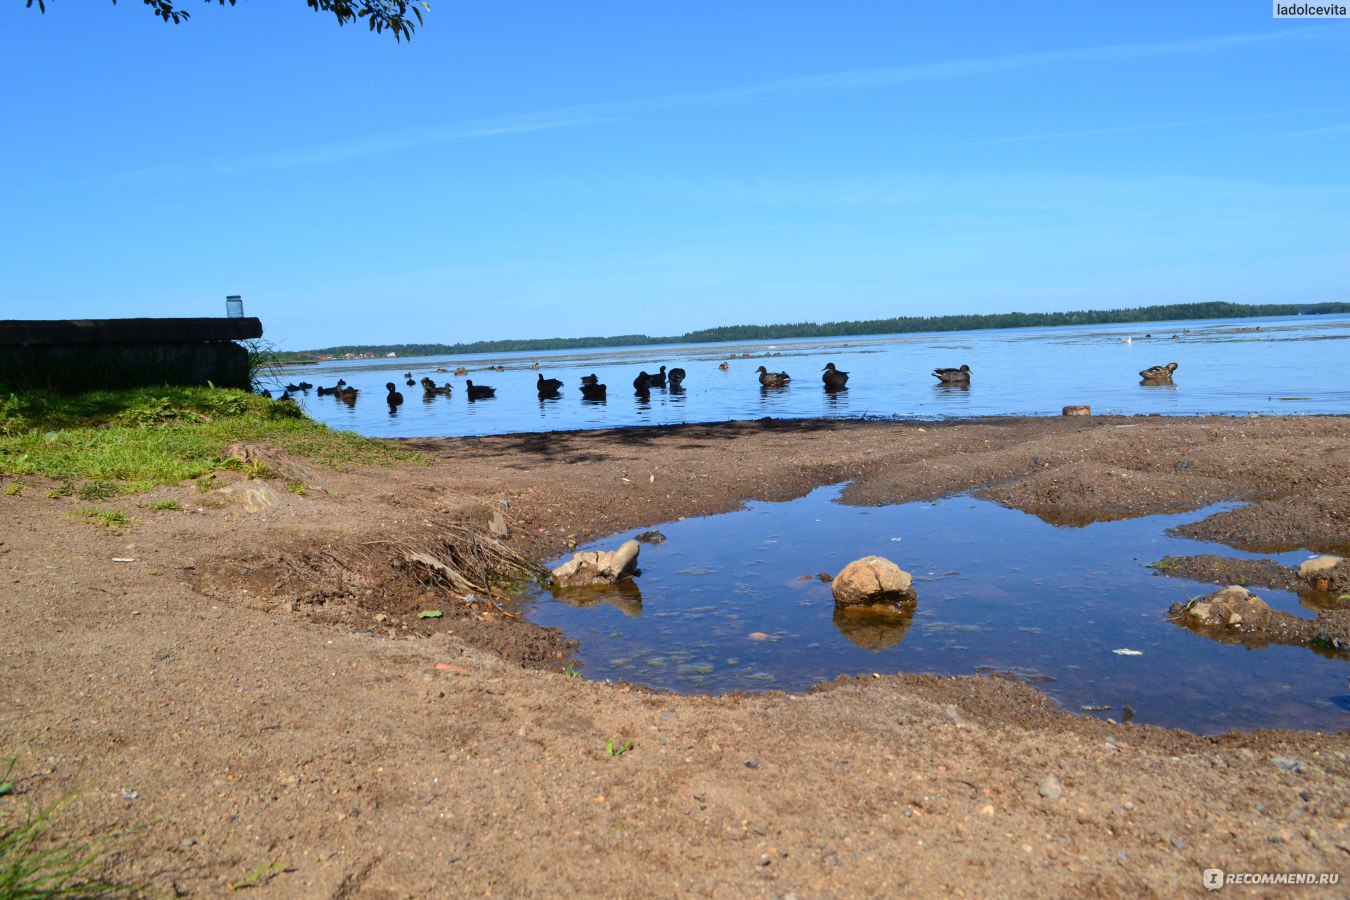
[(1228, 608), (250, 496), (1325, 573), (870, 580), (598, 566)]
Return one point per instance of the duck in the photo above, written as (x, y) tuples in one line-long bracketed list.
[(953, 376), (394, 398), (658, 379), (323, 391), (592, 391), (534, 365), (834, 379), (590, 379), (643, 382), (348, 395), (293, 387), (265, 393), (431, 389), (341, 382), (1159, 373), (548, 387), (461, 371), (480, 391), (407, 374), (676, 376), (772, 379), (724, 366), (497, 368), (410, 382), (305, 386)]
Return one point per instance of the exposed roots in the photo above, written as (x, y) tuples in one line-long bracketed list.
[(462, 559)]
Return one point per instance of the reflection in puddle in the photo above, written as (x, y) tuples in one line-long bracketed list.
[(736, 602)]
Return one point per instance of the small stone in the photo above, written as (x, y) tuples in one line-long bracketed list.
[(599, 567), (1077, 410), (1050, 787), (1289, 765), (753, 764), (651, 537), (188, 842), (1182, 465)]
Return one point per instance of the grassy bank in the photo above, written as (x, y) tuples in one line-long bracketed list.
[(139, 438)]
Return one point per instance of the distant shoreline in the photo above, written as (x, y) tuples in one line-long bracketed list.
[(901, 325)]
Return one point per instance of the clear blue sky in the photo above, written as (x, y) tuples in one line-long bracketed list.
[(532, 170)]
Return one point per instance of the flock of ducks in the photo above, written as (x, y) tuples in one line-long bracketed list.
[(671, 380)]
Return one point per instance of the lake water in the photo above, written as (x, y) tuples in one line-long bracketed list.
[(1296, 364), (733, 602)]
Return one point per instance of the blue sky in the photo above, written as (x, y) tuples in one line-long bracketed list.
[(532, 170)]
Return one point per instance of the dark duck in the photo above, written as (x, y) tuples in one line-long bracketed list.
[(1159, 374), (592, 391), (394, 398), (834, 379), (548, 387), (953, 376), (479, 391), (772, 379), (676, 376)]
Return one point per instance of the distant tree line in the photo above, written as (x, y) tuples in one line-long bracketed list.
[(902, 325)]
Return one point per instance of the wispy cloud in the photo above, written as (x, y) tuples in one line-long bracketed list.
[(576, 116), (1315, 132), (1160, 126)]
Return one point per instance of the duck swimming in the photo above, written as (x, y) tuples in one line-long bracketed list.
[(592, 391), (480, 391), (1159, 373), (461, 371), (953, 376), (772, 379), (643, 382), (394, 398), (658, 379), (590, 379), (410, 382), (676, 376), (834, 379), (724, 366), (548, 387)]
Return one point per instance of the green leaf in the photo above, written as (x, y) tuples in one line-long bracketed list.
[(430, 614)]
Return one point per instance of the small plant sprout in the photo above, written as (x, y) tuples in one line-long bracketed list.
[(613, 748)]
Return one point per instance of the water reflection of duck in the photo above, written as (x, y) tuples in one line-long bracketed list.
[(479, 391), (394, 398), (834, 379), (772, 379), (953, 376), (592, 391), (1159, 373)]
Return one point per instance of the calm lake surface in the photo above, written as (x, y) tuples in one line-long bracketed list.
[(1297, 364), (733, 602)]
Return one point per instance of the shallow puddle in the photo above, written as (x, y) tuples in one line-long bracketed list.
[(735, 602)]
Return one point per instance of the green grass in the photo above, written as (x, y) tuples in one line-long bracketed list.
[(165, 504), (123, 442), (111, 519), (33, 866)]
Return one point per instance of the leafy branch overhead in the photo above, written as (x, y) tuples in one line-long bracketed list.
[(395, 15)]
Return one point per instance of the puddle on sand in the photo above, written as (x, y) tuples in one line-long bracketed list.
[(735, 602)]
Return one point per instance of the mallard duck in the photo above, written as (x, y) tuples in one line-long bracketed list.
[(676, 376), (548, 386), (348, 395), (658, 379), (479, 391), (772, 379), (431, 389), (592, 391), (724, 366), (590, 379), (1159, 373), (394, 398), (953, 376), (461, 371), (643, 382), (534, 365), (834, 379)]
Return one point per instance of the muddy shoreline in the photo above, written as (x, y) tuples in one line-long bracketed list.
[(261, 684)]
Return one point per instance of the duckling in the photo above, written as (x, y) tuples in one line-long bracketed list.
[(590, 379), (479, 391), (953, 376), (548, 387), (724, 366), (461, 371), (676, 376), (394, 398), (834, 379), (643, 382), (592, 391), (772, 379), (658, 379), (1159, 373)]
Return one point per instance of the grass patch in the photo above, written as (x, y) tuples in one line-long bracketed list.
[(165, 504), (120, 442), (15, 489), (32, 865), (111, 519)]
